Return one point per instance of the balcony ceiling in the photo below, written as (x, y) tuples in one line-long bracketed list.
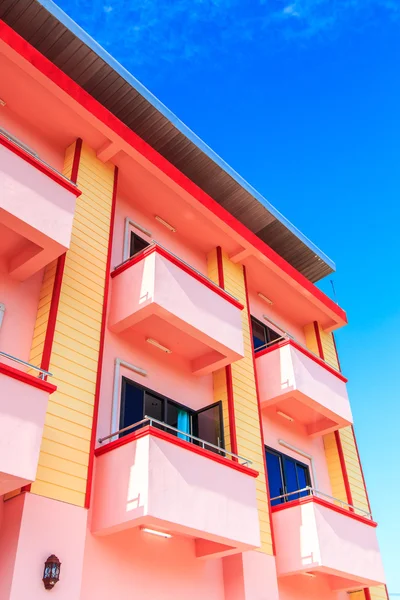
[(58, 38)]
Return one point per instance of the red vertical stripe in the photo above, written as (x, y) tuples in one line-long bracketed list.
[(344, 469), (319, 341), (367, 594), (76, 161), (101, 348), (221, 279), (259, 413)]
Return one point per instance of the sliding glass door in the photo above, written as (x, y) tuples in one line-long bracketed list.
[(208, 425), (286, 477)]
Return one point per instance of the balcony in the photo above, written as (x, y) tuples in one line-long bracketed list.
[(37, 206), (303, 387), (316, 537), (161, 299), (153, 479), (23, 405)]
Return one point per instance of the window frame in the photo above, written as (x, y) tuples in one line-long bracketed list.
[(282, 456), (267, 336)]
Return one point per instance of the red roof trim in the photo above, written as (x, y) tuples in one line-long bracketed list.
[(38, 164), (306, 352), (168, 437), (326, 504), (41, 384), (47, 68), (176, 261)]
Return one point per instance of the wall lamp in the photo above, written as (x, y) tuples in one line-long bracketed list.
[(51, 573)]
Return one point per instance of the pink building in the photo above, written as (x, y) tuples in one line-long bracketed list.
[(174, 422)]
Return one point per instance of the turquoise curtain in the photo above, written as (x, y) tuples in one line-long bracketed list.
[(183, 424)]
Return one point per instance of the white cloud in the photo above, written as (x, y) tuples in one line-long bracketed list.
[(291, 10)]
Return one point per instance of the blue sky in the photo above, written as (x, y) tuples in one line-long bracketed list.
[(302, 98)]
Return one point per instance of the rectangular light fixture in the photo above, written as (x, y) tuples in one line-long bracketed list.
[(167, 225), (155, 532), (309, 574), (2, 102), (158, 345), (267, 300), (284, 415)]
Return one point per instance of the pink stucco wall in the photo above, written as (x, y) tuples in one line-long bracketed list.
[(33, 528), (152, 481), (313, 537), (259, 307), (288, 377), (250, 576), (21, 303), (307, 588), (22, 413), (135, 564)]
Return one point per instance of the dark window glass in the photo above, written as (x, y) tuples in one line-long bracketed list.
[(137, 244), (209, 425), (263, 336), (153, 406), (131, 405), (274, 477), (285, 475)]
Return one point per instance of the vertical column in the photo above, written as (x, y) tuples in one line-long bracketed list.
[(68, 330), (251, 575), (341, 451)]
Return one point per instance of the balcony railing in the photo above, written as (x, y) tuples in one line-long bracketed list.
[(42, 373), (310, 491), (193, 439)]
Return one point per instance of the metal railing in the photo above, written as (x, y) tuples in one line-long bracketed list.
[(316, 493), (42, 372), (203, 443), (155, 243)]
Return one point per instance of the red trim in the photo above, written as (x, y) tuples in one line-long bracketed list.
[(70, 87), (231, 409), (26, 488), (367, 594), (39, 165), (259, 413), (76, 161), (51, 323), (344, 469), (101, 348), (176, 261), (168, 437), (306, 352), (41, 384), (361, 469), (319, 341), (55, 298), (336, 352), (326, 504), (220, 267)]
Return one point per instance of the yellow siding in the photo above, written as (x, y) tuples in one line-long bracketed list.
[(357, 595), (328, 347), (245, 396), (334, 467), (378, 593), (353, 467), (64, 456), (311, 340)]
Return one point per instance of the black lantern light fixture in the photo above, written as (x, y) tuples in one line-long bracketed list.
[(51, 573)]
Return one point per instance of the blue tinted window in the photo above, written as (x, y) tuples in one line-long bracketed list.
[(274, 477)]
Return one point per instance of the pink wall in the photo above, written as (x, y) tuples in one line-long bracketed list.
[(303, 587), (277, 428), (44, 527), (22, 413), (21, 302), (152, 481), (133, 564), (171, 241), (258, 308)]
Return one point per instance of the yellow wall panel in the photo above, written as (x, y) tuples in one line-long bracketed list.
[(378, 593), (64, 457), (357, 595), (334, 467), (353, 467)]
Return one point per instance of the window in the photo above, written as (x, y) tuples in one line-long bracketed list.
[(286, 475), (138, 402), (263, 335), (136, 244)]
